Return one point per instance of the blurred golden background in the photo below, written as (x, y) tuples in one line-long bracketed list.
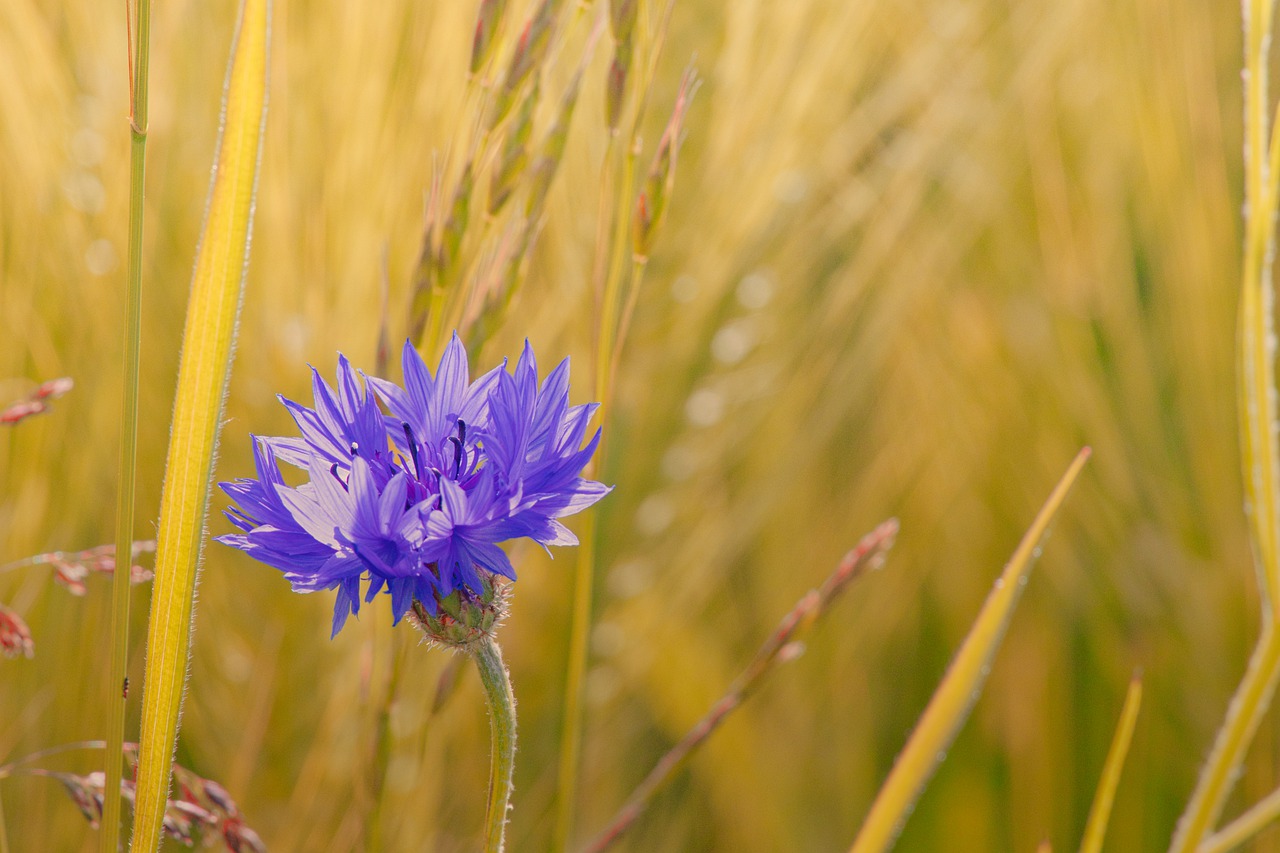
[(917, 255)]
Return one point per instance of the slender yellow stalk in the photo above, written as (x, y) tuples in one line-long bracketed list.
[(117, 693), (951, 702), (4, 832), (1257, 398), (1258, 423), (585, 566), (1250, 702), (615, 291), (576, 667), (202, 380), (1100, 813), (1245, 827), (609, 260)]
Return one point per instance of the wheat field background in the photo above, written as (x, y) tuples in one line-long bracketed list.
[(918, 254)]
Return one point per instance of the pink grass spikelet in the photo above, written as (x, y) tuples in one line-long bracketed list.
[(84, 794), (22, 410), (455, 227), (240, 838), (487, 21), (530, 50), (71, 569), (622, 18), (54, 388), (615, 89), (515, 153), (34, 403), (548, 161), (15, 636), (651, 207)]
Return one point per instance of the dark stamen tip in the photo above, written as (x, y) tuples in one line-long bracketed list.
[(333, 469), (413, 449)]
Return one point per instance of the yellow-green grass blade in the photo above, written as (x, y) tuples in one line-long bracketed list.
[(1100, 812), (951, 702), (1257, 394), (1242, 829), (1260, 455), (202, 382)]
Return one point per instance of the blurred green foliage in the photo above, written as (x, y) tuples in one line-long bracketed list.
[(915, 257)]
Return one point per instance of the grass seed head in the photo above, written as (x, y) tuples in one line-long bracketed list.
[(15, 636), (487, 22)]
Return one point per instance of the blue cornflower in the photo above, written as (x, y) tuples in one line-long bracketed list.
[(414, 501)]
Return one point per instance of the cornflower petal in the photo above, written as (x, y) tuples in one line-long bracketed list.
[(414, 498)]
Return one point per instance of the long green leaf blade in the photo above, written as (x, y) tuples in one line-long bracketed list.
[(202, 381)]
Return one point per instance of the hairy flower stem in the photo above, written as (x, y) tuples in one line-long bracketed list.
[(502, 737), (140, 63)]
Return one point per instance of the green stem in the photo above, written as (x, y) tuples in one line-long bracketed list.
[(4, 830), (386, 647), (502, 737), (580, 630), (608, 264), (117, 696), (584, 567)]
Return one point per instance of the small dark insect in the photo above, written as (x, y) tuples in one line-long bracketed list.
[(125, 693)]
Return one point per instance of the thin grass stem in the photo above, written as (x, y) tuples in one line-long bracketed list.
[(778, 648), (638, 266), (1245, 827), (576, 667), (1095, 829), (117, 683), (4, 830), (385, 642), (13, 766), (584, 566), (1247, 708), (609, 278)]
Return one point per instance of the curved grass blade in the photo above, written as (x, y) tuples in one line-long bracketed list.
[(1242, 829), (1100, 812), (202, 381), (951, 702), (1260, 455)]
